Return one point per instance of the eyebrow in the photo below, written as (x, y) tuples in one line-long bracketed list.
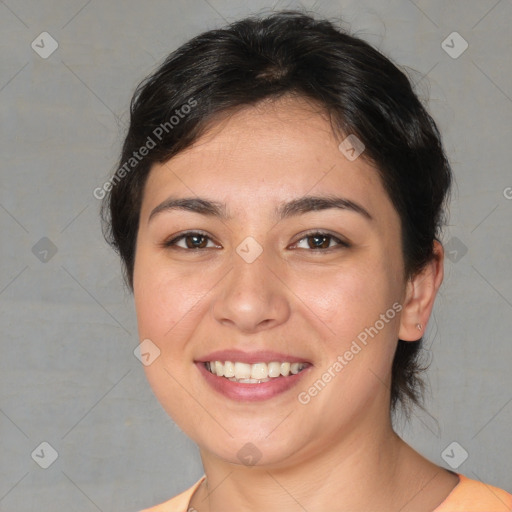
[(285, 210)]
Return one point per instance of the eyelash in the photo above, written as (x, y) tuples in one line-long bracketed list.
[(172, 243)]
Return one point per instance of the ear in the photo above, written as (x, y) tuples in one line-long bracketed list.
[(420, 295)]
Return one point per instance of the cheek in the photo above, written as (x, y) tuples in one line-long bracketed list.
[(348, 298), (359, 343), (164, 301), (167, 306)]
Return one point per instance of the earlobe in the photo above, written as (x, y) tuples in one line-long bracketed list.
[(420, 296)]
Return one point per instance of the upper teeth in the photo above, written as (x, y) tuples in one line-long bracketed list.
[(257, 371)]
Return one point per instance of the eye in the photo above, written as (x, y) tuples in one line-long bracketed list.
[(320, 240), (316, 240), (191, 240)]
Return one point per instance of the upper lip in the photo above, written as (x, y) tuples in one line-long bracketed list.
[(259, 356)]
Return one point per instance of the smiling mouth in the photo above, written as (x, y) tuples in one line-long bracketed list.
[(253, 373)]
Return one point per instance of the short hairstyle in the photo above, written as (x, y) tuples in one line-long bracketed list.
[(267, 57)]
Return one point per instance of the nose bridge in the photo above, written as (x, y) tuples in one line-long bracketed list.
[(250, 264), (251, 296)]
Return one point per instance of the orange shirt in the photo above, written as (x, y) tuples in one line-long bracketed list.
[(467, 496)]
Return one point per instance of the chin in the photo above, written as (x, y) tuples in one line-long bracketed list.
[(247, 452)]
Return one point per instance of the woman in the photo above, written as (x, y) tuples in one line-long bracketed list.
[(277, 210)]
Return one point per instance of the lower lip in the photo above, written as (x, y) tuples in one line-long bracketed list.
[(250, 392)]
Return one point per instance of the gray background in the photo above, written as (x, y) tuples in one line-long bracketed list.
[(68, 375)]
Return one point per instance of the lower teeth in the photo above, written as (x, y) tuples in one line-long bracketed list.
[(247, 381)]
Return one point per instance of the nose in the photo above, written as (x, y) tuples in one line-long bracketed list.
[(252, 297)]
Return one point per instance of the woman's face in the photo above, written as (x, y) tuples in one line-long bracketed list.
[(249, 275)]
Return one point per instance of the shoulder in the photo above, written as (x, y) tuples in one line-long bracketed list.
[(179, 503), (474, 496)]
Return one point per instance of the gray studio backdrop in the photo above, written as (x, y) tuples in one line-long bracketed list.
[(68, 375)]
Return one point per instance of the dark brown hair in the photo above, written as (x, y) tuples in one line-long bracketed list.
[(291, 53)]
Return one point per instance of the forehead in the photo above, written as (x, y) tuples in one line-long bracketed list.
[(292, 127), (275, 151)]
